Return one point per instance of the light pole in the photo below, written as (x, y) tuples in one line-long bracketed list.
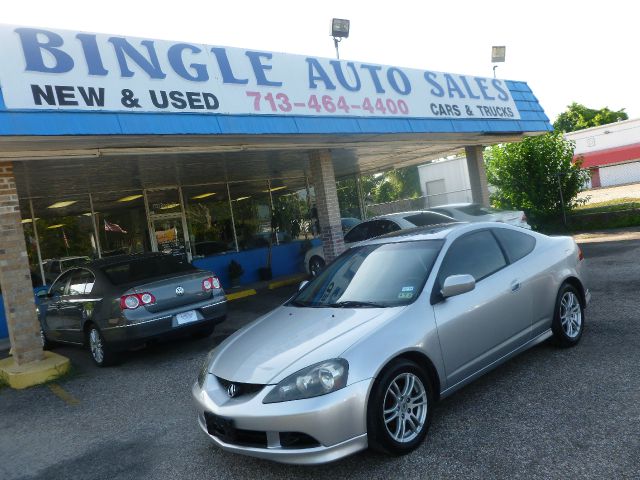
[(497, 55), (339, 30)]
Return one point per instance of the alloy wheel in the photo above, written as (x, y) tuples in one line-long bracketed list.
[(95, 343), (405, 407), (570, 314)]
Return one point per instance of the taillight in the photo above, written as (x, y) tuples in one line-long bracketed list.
[(580, 254), (210, 283), (133, 301), (524, 218)]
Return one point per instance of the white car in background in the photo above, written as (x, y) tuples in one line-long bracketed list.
[(374, 227), (474, 212)]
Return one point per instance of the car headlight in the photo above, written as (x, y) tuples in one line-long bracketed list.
[(319, 379), (204, 370)]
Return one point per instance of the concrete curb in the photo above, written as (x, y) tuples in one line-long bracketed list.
[(243, 292), (52, 366)]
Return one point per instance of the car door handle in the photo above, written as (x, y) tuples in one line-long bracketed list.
[(515, 286)]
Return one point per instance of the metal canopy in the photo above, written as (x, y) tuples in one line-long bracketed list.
[(52, 167)]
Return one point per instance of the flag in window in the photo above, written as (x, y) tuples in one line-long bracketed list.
[(113, 227)]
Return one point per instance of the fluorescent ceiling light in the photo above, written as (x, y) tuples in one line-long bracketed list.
[(275, 189), (203, 195), (66, 203), (88, 214), (169, 205), (129, 198), (241, 198), (29, 220), (57, 225)]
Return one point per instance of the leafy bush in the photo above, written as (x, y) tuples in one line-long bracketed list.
[(530, 174)]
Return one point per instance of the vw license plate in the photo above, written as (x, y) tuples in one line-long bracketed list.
[(186, 317)]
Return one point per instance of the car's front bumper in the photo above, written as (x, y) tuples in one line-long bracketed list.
[(335, 422)]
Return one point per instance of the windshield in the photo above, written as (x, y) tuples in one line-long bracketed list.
[(380, 275)]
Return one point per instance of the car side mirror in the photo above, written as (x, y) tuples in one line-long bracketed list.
[(302, 284), (457, 285)]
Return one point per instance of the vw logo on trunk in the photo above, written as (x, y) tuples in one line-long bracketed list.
[(179, 291), (232, 390)]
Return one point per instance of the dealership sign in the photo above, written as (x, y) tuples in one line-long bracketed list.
[(63, 70)]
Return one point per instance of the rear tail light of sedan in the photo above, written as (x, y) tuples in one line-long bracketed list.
[(134, 300), (580, 254), (211, 283)]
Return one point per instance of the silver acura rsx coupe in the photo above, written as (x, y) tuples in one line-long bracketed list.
[(360, 354)]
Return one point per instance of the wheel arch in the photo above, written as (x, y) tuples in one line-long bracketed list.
[(420, 359), (577, 284)]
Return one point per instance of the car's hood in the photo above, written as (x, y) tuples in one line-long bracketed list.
[(291, 338)]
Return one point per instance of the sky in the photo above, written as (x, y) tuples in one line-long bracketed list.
[(566, 50)]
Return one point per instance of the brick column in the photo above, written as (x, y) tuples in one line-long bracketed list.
[(15, 276), (324, 182), (477, 175)]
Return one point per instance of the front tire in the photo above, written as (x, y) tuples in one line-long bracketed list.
[(101, 354), (399, 410), (568, 319), (315, 265)]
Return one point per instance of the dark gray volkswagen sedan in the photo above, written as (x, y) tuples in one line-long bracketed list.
[(118, 302)]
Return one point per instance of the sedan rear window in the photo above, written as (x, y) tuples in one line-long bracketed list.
[(141, 269), (425, 219), (476, 210), (379, 275)]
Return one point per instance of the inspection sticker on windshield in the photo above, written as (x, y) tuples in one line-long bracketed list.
[(407, 289), (402, 295)]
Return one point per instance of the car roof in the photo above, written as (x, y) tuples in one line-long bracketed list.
[(430, 232), (401, 214), (441, 232), (454, 205)]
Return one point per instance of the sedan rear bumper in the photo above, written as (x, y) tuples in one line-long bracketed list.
[(164, 326)]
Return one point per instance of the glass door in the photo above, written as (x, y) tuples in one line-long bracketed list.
[(167, 221)]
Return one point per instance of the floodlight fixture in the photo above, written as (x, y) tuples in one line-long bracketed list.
[(339, 30), (498, 54)]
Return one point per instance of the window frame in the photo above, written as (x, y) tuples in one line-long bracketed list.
[(84, 290), (436, 296), (65, 290), (504, 248)]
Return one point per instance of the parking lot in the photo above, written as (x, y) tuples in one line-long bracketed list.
[(548, 413)]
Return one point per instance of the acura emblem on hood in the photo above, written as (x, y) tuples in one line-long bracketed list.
[(179, 291)]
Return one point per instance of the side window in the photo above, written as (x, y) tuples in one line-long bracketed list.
[(55, 267), (516, 244), (81, 282), (357, 233), (59, 287), (476, 254), (425, 219), (386, 226)]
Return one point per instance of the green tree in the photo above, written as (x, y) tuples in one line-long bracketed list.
[(579, 117), (384, 187), (529, 174)]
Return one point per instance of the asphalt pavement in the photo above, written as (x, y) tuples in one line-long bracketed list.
[(548, 413)]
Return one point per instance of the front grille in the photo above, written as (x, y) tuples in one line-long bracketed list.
[(224, 429), (241, 388)]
